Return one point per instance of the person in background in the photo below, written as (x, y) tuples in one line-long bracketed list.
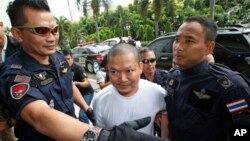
[(152, 74), (37, 87), (102, 78), (121, 40), (82, 83), (204, 100), (131, 41), (128, 97), (7, 45), (137, 37)]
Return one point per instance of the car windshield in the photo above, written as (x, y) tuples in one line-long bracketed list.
[(99, 49)]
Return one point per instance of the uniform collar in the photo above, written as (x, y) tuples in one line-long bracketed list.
[(33, 64), (196, 69)]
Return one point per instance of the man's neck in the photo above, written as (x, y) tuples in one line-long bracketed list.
[(149, 76)]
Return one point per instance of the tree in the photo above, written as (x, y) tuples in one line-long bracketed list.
[(95, 6), (157, 5), (63, 23), (143, 8)]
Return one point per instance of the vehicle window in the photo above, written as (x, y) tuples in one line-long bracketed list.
[(112, 43), (234, 43), (75, 50), (162, 45), (105, 43)]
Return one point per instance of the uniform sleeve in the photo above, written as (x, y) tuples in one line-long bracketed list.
[(237, 101), (18, 95)]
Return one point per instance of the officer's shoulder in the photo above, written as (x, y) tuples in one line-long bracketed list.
[(161, 71), (225, 76), (220, 70), (174, 69)]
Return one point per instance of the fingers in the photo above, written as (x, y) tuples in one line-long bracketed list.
[(138, 124)]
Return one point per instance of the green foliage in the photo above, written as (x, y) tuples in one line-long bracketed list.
[(141, 16)]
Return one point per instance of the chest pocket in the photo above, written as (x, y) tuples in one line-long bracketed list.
[(44, 80), (201, 99)]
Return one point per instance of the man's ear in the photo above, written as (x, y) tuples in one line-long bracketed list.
[(16, 34), (140, 67), (210, 47)]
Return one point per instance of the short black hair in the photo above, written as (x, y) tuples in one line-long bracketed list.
[(210, 28), (123, 48), (67, 52), (16, 7)]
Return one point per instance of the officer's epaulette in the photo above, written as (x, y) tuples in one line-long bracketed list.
[(16, 66), (59, 51), (174, 68), (223, 74), (225, 82)]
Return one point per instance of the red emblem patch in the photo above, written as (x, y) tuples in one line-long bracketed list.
[(17, 91)]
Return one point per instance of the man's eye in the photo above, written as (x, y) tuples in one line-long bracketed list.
[(113, 72), (129, 71), (176, 40), (189, 41)]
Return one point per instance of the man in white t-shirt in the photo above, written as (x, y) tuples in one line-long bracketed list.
[(102, 78), (128, 97)]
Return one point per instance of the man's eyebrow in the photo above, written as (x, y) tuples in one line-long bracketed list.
[(190, 37)]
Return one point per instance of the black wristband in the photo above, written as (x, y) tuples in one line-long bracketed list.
[(9, 122)]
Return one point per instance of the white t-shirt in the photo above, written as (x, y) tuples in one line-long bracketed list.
[(111, 108), (100, 76)]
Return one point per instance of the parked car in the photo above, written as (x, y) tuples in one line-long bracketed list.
[(232, 49), (90, 56), (113, 41)]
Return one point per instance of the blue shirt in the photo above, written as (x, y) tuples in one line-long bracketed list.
[(160, 77)]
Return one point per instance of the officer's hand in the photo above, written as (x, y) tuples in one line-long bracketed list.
[(127, 132), (90, 115)]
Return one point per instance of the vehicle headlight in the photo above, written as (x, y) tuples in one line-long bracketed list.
[(247, 59)]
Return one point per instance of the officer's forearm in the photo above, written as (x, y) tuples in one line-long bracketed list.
[(53, 123), (85, 83)]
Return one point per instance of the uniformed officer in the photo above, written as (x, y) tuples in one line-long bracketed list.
[(36, 84), (158, 76), (204, 100), (82, 83), (150, 72)]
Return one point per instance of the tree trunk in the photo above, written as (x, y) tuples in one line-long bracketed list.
[(97, 30), (156, 29)]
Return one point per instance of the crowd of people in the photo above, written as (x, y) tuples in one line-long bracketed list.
[(196, 100)]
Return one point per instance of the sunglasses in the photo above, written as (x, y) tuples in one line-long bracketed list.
[(41, 30), (147, 61)]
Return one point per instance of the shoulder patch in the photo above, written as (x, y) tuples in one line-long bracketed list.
[(22, 78), (19, 78), (225, 82), (237, 105), (17, 91)]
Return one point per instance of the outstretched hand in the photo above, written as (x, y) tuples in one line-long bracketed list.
[(127, 132)]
